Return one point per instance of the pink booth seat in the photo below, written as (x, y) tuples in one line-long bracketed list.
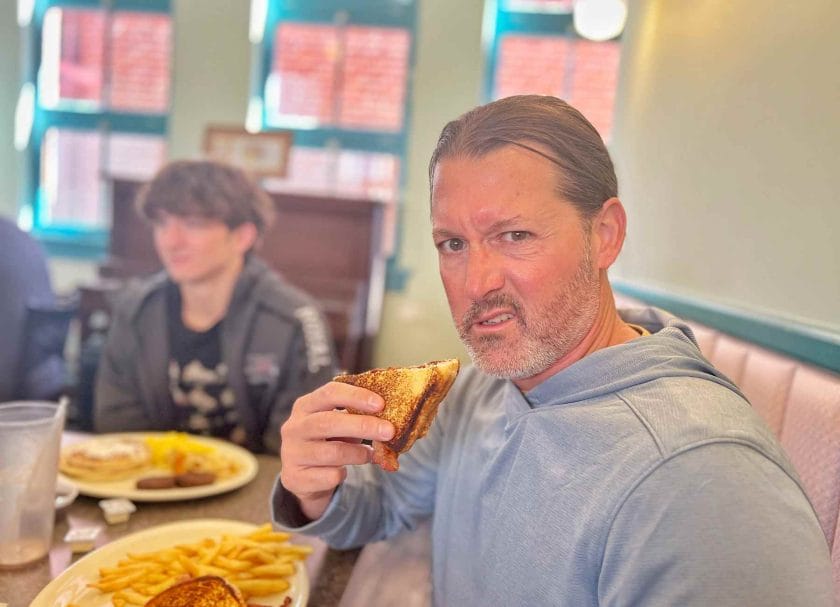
[(835, 565), (811, 437), (766, 382), (730, 355), (393, 573), (706, 338)]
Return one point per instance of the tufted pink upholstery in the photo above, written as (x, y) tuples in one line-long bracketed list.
[(766, 382), (706, 338), (811, 437), (835, 565), (730, 355)]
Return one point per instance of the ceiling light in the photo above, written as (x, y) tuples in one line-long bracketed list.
[(599, 20)]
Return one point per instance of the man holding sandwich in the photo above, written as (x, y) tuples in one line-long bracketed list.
[(589, 457)]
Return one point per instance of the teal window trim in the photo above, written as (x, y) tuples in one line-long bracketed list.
[(366, 141), (70, 240), (376, 13), (150, 6), (74, 243), (117, 122), (803, 342)]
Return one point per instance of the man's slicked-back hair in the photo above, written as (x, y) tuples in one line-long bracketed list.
[(547, 126), (208, 189)]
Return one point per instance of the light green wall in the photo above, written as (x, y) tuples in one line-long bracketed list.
[(9, 86), (727, 144), (447, 82), (210, 70)]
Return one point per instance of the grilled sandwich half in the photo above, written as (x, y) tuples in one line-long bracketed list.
[(412, 396), (204, 591)]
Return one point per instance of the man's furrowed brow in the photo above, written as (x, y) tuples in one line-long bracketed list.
[(505, 224), (442, 234)]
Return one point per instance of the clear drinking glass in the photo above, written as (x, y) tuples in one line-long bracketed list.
[(30, 437)]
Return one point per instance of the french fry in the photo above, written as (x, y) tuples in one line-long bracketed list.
[(232, 564), (188, 565), (261, 587), (131, 597), (273, 570)]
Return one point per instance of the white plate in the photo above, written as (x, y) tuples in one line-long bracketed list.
[(71, 586), (126, 488), (66, 493)]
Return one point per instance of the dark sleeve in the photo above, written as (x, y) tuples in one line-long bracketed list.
[(117, 404), (310, 363), (717, 525)]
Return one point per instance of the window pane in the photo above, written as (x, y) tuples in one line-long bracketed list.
[(368, 175), (140, 62), (582, 72), (136, 157), (531, 64), (72, 49), (374, 78), (73, 171), (72, 71), (70, 180), (309, 170), (301, 88), (594, 81), (351, 77)]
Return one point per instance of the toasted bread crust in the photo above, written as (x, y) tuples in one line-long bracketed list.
[(412, 396), (204, 591)]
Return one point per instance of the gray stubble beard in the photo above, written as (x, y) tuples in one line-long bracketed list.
[(546, 338)]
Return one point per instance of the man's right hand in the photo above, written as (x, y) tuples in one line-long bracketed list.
[(319, 439)]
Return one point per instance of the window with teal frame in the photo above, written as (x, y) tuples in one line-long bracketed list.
[(337, 73), (97, 87), (531, 46)]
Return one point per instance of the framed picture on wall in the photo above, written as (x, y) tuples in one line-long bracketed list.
[(260, 154)]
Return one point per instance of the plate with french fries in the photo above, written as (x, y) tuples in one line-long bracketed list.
[(263, 564), (112, 465)]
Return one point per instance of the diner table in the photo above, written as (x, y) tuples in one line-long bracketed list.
[(328, 570)]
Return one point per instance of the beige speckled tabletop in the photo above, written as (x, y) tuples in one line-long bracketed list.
[(328, 569)]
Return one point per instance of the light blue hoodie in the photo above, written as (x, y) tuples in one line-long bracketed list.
[(637, 476)]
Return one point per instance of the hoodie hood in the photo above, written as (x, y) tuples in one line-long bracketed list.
[(143, 291), (670, 351)]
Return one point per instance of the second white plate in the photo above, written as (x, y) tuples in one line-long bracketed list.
[(248, 467)]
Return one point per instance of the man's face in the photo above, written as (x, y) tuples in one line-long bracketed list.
[(195, 249), (515, 260)]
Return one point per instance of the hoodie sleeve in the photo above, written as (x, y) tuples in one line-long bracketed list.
[(310, 363), (719, 524)]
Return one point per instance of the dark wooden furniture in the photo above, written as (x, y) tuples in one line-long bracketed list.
[(328, 246)]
